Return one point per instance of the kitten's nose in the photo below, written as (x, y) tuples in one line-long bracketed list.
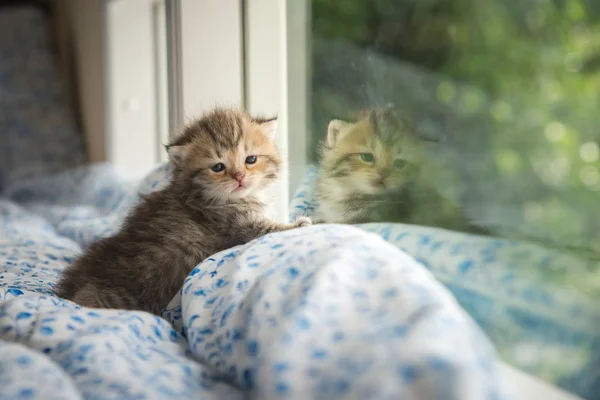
[(238, 176)]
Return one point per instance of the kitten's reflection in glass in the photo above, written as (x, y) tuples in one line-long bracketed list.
[(375, 169)]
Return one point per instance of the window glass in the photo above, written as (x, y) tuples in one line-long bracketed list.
[(480, 117)]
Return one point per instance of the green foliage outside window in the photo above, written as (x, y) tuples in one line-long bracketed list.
[(516, 86)]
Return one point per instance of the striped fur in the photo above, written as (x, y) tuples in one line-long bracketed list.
[(200, 213)]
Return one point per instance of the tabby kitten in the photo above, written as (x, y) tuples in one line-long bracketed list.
[(221, 166), (372, 170)]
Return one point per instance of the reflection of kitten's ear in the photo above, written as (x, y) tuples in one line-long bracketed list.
[(336, 130), (176, 154), (427, 138), (430, 132), (269, 127)]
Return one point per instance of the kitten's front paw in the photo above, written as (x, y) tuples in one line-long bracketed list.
[(302, 221)]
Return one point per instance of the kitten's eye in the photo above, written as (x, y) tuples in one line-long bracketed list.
[(367, 157), (399, 164), (218, 167), (251, 160)]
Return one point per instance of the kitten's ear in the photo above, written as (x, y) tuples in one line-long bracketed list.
[(269, 127), (177, 154), (335, 130), (430, 133)]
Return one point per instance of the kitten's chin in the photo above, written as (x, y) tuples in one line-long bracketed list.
[(371, 189), (374, 191), (241, 192), (377, 190), (250, 187)]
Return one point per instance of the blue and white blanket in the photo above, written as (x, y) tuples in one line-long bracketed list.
[(322, 312)]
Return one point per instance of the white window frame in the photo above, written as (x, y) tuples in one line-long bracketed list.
[(276, 83), (212, 65), (294, 58), (135, 70)]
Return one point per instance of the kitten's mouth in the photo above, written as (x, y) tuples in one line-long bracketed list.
[(379, 184), (240, 187)]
